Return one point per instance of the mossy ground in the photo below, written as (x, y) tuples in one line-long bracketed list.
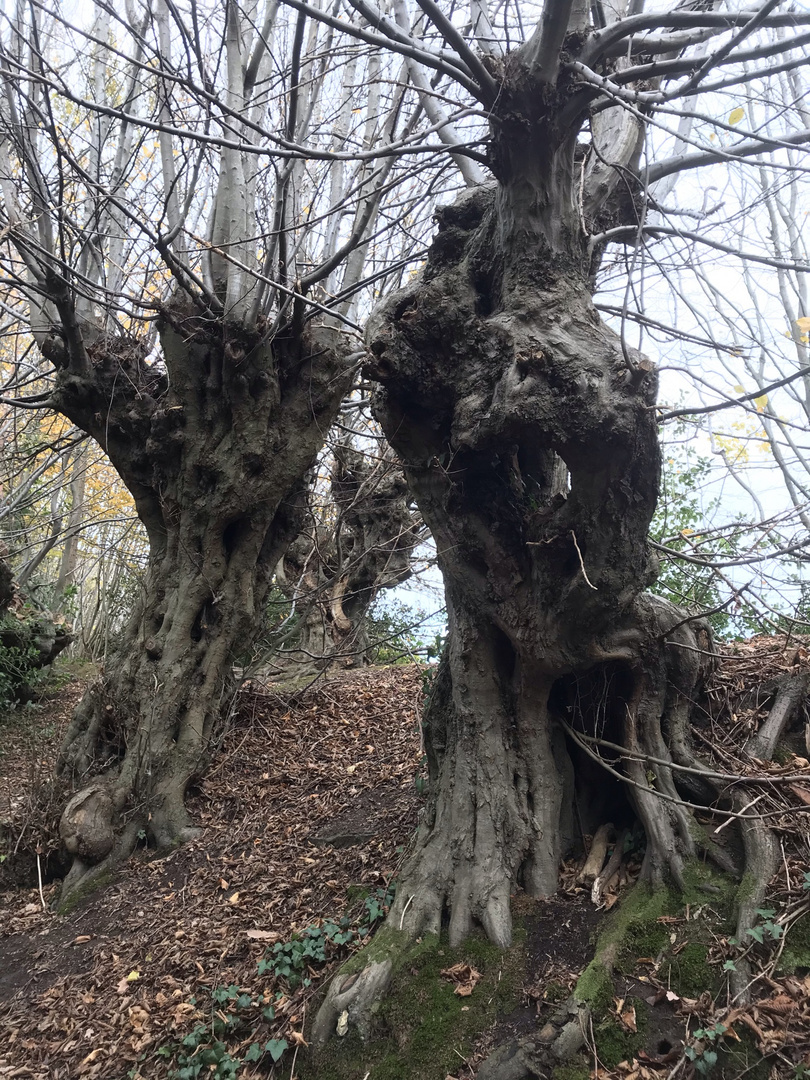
[(571, 1070), (425, 1029), (795, 958), (82, 891), (669, 932)]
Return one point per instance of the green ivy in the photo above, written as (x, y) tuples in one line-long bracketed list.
[(235, 1012)]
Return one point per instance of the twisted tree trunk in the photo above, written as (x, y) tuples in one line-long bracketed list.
[(333, 574), (214, 448), (495, 368)]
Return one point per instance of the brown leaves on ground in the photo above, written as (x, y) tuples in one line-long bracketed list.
[(131, 970), (464, 976)]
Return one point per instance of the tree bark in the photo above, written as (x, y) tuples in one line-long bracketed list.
[(334, 572), (214, 448), (494, 368)]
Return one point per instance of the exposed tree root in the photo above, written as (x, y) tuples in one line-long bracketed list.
[(536, 1056), (352, 999), (791, 694)]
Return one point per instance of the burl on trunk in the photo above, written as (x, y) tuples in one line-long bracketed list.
[(527, 430), (213, 443)]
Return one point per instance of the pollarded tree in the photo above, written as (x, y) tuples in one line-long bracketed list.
[(360, 539), (189, 198), (528, 431)]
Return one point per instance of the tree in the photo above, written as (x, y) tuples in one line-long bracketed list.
[(528, 432), (359, 541), (178, 188)]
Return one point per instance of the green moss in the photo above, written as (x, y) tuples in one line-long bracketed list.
[(82, 891), (741, 1058), (796, 953), (615, 1043), (745, 890), (688, 972), (423, 1024), (595, 987), (571, 1070), (632, 929), (355, 894), (555, 992), (705, 885)]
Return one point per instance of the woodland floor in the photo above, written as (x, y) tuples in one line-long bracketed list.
[(306, 811)]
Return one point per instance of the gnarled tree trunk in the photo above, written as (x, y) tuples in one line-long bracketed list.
[(495, 369), (334, 573), (214, 448)]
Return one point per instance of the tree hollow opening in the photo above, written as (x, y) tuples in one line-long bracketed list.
[(594, 704)]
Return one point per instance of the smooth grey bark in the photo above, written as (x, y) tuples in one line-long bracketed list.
[(214, 448), (70, 551)]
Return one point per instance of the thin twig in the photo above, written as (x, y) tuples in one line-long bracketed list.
[(295, 1053), (741, 812), (39, 878), (581, 562), (408, 904)]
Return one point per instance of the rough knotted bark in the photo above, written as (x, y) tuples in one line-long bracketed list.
[(213, 444), (334, 572), (528, 434)]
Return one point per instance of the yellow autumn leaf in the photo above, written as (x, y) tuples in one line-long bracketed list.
[(738, 389), (804, 322), (761, 402), (133, 975), (736, 115)]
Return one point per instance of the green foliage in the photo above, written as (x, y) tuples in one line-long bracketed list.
[(237, 1014), (702, 1053), (289, 960), (200, 1055), (392, 631), (767, 927), (679, 525), (203, 1052)]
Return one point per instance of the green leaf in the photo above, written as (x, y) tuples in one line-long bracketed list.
[(729, 966), (756, 933), (254, 1052), (276, 1047), (268, 1012), (766, 912)]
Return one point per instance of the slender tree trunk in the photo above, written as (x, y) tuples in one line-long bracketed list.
[(214, 450), (335, 573), (70, 552)]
